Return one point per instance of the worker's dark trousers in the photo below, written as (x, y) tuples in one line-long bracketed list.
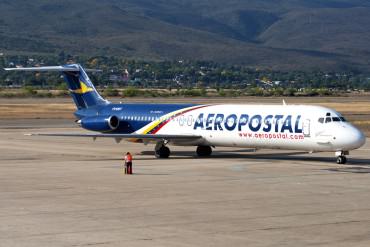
[(128, 168)]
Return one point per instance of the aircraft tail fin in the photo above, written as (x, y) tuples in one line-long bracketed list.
[(80, 86)]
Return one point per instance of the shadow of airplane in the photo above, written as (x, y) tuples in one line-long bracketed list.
[(353, 169), (251, 154)]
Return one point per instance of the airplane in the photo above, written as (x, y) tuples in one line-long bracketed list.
[(292, 127)]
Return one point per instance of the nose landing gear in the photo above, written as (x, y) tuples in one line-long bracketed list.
[(341, 160), (341, 157)]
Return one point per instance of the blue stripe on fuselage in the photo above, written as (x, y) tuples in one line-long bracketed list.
[(144, 113)]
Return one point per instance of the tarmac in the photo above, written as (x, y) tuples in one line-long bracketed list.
[(72, 192)]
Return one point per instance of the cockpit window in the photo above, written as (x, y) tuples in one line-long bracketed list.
[(336, 119), (329, 118)]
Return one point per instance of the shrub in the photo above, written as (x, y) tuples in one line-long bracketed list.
[(62, 86), (193, 92), (289, 92), (130, 92), (221, 93), (29, 91), (111, 92)]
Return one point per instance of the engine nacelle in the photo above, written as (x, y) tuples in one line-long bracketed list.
[(100, 123)]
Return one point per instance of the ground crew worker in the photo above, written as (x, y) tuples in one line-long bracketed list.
[(128, 163)]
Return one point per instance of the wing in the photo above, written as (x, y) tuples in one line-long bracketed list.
[(129, 137)]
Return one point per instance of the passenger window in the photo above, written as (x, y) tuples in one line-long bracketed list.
[(321, 120), (336, 119), (328, 120)]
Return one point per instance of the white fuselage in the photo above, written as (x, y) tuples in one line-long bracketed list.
[(297, 127)]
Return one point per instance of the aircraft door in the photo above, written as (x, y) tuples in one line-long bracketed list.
[(307, 127)]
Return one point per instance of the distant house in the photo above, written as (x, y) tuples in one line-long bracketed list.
[(125, 76), (116, 77)]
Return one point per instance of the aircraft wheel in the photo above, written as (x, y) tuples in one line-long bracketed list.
[(163, 152), (203, 151), (341, 160)]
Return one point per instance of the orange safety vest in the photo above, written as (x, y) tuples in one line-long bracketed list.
[(128, 158)]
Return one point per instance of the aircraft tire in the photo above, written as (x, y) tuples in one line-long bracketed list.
[(203, 151), (341, 160), (163, 152)]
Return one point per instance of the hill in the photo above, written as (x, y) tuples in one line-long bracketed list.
[(280, 34)]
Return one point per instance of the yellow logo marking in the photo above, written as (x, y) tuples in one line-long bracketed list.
[(83, 89)]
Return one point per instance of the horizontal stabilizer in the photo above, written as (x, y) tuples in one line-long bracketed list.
[(47, 68), (67, 68)]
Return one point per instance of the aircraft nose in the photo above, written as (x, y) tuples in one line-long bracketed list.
[(356, 139), (349, 137)]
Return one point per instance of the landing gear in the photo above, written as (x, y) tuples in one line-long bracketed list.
[(341, 157), (203, 151), (161, 151)]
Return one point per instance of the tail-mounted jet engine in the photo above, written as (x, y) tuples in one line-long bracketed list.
[(99, 123)]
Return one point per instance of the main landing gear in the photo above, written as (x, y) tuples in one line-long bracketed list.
[(203, 151), (341, 157), (163, 152)]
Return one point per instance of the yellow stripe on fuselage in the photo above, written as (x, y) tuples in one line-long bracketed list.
[(152, 126)]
